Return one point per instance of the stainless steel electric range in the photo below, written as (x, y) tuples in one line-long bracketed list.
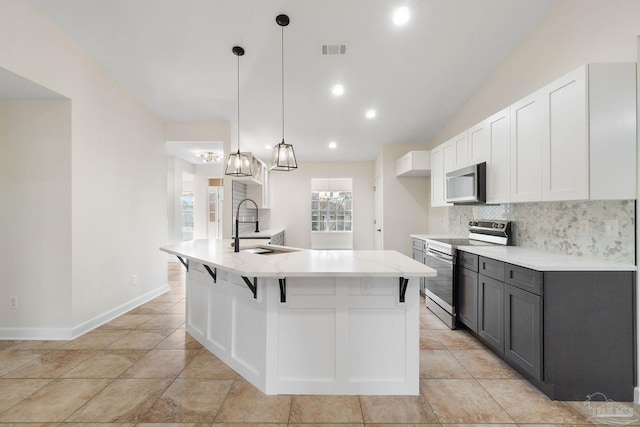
[(440, 254)]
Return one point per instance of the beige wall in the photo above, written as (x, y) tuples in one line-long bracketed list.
[(118, 172), (575, 32), (291, 201), (35, 218), (406, 200)]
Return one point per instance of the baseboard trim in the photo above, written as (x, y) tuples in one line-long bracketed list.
[(64, 334)]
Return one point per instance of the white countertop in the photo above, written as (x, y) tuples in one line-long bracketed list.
[(436, 236), (536, 259), (262, 234), (300, 262), (544, 261)]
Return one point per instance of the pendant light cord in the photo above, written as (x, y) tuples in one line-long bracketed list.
[(238, 104), (282, 68)]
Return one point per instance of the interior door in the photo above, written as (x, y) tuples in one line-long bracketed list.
[(378, 242)]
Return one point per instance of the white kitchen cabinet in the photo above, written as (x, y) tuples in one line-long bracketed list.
[(438, 172), (526, 148), (266, 188), (574, 139), (460, 147), (479, 143), (443, 160), (414, 163), (258, 186), (497, 129), (565, 146), (449, 157), (589, 134), (612, 131)]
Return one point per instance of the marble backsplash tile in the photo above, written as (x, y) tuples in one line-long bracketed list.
[(559, 227)]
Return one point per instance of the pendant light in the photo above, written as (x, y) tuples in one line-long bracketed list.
[(283, 158), (238, 163)]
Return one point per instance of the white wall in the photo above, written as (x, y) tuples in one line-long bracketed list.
[(575, 32), (118, 173), (205, 131), (406, 200), (291, 201), (35, 218)]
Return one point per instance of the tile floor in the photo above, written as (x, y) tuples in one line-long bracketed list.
[(142, 368)]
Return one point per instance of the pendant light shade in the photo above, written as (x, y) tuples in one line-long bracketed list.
[(283, 158), (238, 163)]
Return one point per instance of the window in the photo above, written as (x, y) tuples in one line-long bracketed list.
[(331, 205), (187, 213)]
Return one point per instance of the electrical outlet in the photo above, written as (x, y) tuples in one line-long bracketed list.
[(584, 227), (13, 303), (366, 287), (611, 227), (134, 279)]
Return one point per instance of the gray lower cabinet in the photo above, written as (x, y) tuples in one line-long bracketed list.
[(491, 312), (466, 292), (277, 239), (523, 330), (571, 333), (418, 254), (467, 297)]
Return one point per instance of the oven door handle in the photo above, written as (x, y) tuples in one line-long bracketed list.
[(448, 260)]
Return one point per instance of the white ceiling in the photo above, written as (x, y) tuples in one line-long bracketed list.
[(175, 56)]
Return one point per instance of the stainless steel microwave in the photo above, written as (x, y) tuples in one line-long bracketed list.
[(467, 185)]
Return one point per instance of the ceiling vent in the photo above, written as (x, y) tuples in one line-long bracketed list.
[(334, 49)]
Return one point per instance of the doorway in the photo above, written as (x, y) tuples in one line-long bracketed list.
[(215, 199), (378, 241)]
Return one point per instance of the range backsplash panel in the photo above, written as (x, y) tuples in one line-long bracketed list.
[(558, 227)]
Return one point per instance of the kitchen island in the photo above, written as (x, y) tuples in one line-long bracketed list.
[(304, 321)]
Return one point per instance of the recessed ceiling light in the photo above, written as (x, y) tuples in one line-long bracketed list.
[(268, 147), (337, 90), (370, 114), (401, 15), (332, 145)]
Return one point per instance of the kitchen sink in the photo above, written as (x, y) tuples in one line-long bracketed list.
[(266, 251)]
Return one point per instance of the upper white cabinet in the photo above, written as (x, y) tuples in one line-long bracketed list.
[(460, 146), (565, 144), (479, 143), (414, 163), (574, 139), (526, 148), (589, 134), (437, 175), (258, 185), (612, 131), (497, 131)]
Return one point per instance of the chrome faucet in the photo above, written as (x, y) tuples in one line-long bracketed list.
[(236, 242)]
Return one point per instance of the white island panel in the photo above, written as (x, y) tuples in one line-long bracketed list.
[(342, 328), (331, 336), (381, 332), (313, 362)]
